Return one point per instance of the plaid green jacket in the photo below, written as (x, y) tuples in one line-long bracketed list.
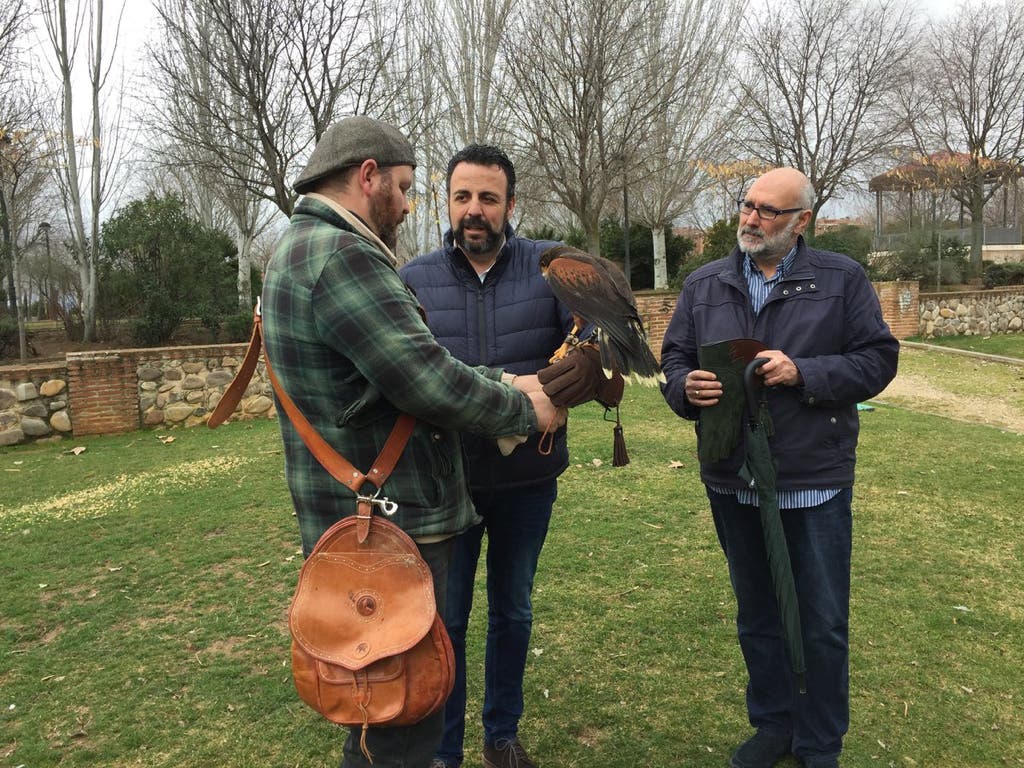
[(348, 344)]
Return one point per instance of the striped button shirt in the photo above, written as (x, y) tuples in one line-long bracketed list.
[(760, 287)]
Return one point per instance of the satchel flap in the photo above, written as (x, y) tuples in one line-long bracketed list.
[(354, 608)]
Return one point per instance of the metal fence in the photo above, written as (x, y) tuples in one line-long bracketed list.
[(992, 236)]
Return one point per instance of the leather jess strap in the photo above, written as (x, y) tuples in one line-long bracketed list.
[(337, 465)]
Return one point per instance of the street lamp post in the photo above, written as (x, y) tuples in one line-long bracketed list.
[(625, 228)]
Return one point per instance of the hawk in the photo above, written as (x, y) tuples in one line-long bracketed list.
[(597, 292)]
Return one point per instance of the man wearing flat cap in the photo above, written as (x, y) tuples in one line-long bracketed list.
[(350, 347)]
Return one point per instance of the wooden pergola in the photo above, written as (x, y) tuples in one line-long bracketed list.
[(937, 172)]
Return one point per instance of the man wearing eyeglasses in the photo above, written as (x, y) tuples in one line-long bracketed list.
[(828, 349)]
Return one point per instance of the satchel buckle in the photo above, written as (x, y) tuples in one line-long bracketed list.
[(383, 503)]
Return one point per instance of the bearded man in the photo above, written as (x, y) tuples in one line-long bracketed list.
[(828, 349), (487, 302), (349, 346)]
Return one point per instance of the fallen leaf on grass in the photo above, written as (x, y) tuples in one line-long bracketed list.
[(675, 464), (78, 449)]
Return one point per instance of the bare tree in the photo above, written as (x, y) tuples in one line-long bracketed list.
[(12, 22), (818, 88), (94, 153), (470, 72), (263, 79), (694, 41), (449, 65), (23, 174), (967, 106), (585, 96)]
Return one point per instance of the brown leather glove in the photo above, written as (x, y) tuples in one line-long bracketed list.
[(577, 378)]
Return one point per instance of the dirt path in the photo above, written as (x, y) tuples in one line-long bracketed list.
[(918, 393)]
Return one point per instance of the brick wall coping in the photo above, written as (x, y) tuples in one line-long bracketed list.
[(1005, 289), (151, 353), (30, 371)]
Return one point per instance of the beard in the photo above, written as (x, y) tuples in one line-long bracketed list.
[(755, 243), (385, 216), (485, 247)]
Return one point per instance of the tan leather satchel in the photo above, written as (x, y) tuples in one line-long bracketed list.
[(368, 646)]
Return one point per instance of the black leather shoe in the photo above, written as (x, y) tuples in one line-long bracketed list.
[(762, 750), (507, 753)]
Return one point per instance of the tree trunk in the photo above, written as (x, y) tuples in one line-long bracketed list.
[(244, 282), (977, 224), (660, 258)]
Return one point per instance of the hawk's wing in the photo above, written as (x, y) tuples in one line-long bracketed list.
[(596, 290)]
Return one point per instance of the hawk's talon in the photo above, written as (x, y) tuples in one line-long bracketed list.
[(571, 341)]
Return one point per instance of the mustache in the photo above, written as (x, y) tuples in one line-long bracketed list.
[(752, 231), (474, 221)]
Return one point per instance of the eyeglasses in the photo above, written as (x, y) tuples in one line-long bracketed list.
[(765, 212)]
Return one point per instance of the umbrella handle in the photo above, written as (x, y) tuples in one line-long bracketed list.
[(752, 385)]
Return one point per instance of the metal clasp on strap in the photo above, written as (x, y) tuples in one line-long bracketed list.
[(383, 503)]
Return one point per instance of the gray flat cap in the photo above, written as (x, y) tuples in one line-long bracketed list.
[(351, 141)]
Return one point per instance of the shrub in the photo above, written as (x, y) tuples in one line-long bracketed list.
[(918, 260), (848, 239), (996, 275), (160, 265), (160, 318), (718, 243), (237, 327), (8, 335)]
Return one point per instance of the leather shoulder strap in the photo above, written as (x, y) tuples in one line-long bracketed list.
[(337, 465), (233, 394)]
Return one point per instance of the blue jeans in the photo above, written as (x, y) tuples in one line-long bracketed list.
[(516, 524), (408, 746), (820, 542)]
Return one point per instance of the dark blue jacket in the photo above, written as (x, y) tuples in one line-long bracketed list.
[(511, 320), (824, 314)]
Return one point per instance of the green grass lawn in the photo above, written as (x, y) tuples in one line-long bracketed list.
[(1006, 344), (146, 584)]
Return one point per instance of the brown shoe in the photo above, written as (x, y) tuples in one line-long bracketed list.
[(507, 753)]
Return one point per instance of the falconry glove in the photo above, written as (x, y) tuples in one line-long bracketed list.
[(578, 378)]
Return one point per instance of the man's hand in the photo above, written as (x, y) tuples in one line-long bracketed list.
[(549, 416), (578, 378), (702, 388), (779, 369), (526, 383)]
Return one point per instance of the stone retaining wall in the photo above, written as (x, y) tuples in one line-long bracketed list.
[(33, 403), (122, 390), (973, 313), (107, 392)]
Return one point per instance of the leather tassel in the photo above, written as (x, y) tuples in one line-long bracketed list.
[(619, 456)]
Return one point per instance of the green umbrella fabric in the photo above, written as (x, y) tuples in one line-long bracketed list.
[(759, 472)]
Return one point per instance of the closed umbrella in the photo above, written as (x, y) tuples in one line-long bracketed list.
[(759, 472)]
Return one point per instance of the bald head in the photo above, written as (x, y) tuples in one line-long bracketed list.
[(776, 211), (791, 186)]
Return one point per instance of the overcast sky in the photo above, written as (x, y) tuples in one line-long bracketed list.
[(138, 28)]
